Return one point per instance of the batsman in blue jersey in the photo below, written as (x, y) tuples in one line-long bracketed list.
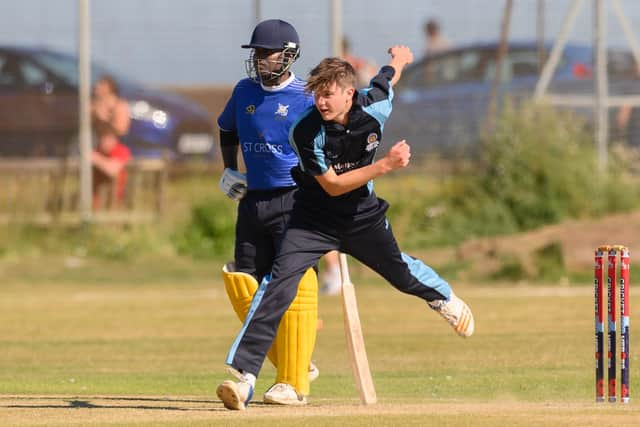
[(336, 209), (256, 120)]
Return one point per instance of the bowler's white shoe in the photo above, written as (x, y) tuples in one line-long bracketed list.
[(314, 372), (457, 313), (284, 394), (235, 395)]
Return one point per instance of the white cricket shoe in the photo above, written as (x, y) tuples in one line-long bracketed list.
[(284, 394), (457, 313), (235, 395), (314, 372)]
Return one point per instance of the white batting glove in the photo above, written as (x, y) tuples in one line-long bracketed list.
[(233, 184)]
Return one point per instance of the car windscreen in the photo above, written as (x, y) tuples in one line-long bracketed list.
[(66, 68)]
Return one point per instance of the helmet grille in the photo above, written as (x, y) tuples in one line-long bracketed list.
[(276, 68)]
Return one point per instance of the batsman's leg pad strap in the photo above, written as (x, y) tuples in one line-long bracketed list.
[(240, 289), (296, 335)]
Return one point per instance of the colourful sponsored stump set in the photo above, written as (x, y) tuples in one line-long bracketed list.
[(612, 253)]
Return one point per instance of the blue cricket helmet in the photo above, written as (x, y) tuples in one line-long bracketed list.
[(275, 35)]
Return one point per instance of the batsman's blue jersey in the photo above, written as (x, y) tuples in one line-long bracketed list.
[(262, 117)]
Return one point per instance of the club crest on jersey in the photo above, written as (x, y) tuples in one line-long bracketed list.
[(250, 109), (372, 141), (283, 110)]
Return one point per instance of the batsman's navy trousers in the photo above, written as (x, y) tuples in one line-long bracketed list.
[(302, 247), (262, 220)]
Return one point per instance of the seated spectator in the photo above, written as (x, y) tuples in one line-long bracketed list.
[(109, 159), (110, 117), (108, 107)]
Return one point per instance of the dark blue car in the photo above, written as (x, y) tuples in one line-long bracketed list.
[(442, 101), (39, 110)]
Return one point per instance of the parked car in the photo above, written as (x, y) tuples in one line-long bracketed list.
[(442, 101), (39, 110)]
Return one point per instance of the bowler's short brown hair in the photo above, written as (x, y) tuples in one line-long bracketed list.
[(331, 70)]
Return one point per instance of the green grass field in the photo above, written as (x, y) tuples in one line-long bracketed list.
[(150, 353)]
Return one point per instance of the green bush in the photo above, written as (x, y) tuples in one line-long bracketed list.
[(538, 167), (210, 231)]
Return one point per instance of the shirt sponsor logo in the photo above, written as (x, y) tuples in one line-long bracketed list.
[(372, 141), (344, 167), (282, 111), (262, 147), (250, 109)]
